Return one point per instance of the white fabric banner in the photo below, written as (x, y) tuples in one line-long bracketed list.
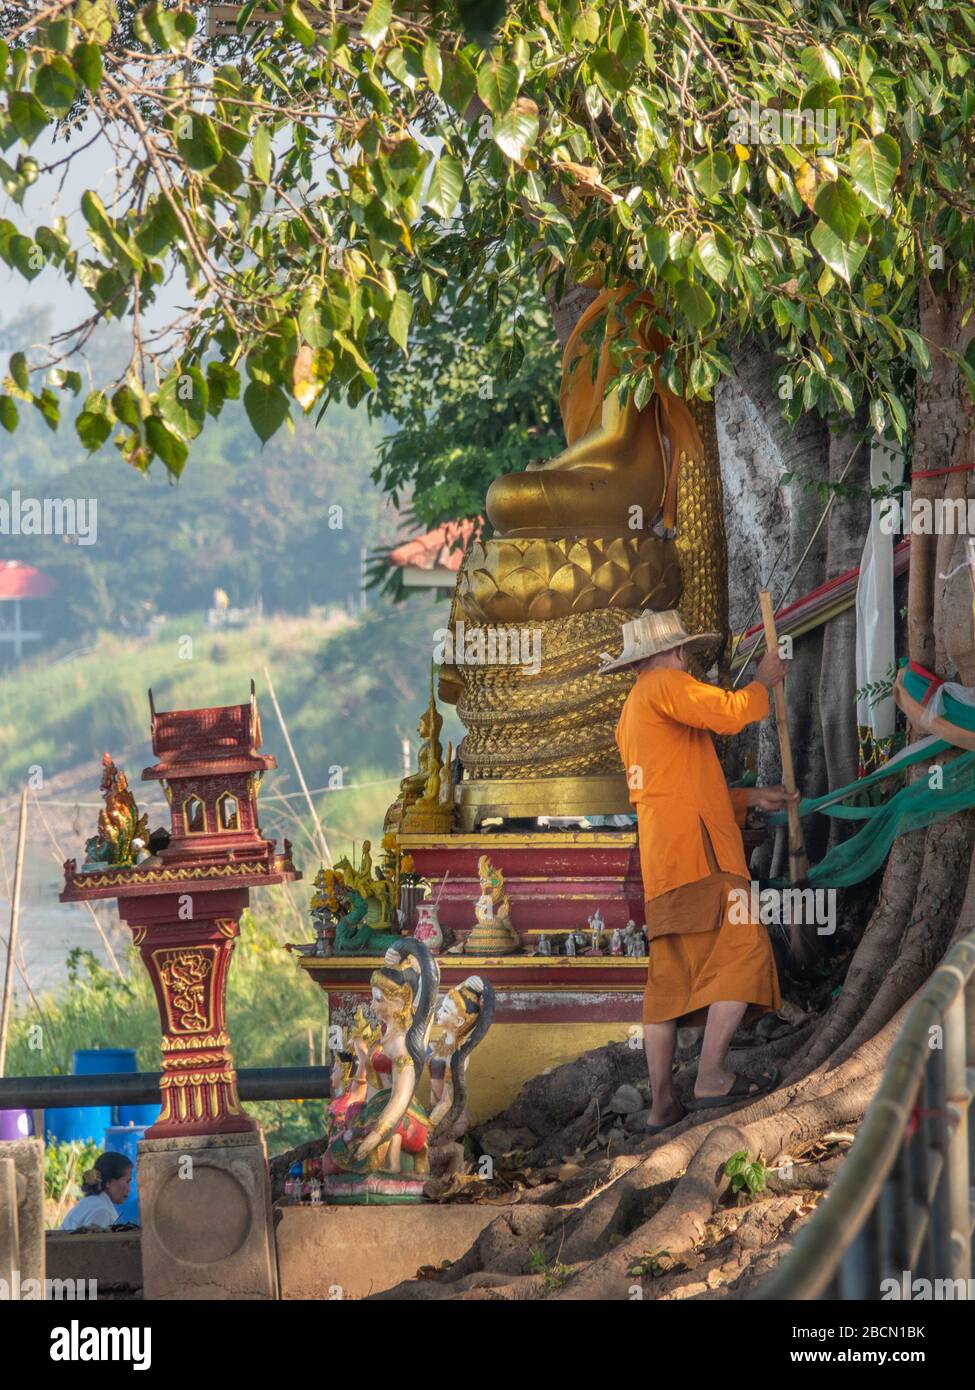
[(875, 654)]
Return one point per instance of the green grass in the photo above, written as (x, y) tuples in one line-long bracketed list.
[(349, 695), (271, 1008)]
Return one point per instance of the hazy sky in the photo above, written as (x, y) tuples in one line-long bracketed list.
[(59, 194)]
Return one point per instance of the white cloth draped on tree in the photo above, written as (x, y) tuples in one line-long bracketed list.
[(876, 655)]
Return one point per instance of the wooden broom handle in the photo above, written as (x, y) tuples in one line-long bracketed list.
[(798, 863)]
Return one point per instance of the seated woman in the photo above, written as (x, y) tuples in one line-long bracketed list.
[(105, 1187)]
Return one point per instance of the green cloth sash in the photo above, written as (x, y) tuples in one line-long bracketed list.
[(911, 808)]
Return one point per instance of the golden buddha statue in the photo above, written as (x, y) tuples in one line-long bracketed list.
[(615, 467), (628, 517), (429, 760)]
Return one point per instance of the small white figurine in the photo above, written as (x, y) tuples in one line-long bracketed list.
[(543, 946)]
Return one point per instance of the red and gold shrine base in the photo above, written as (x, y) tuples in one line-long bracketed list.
[(188, 962), (555, 879)]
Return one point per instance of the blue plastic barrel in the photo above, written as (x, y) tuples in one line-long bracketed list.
[(144, 1115), (89, 1122), (123, 1139)]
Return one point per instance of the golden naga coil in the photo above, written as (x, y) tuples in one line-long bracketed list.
[(558, 722)]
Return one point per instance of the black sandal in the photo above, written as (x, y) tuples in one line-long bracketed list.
[(765, 1082), (659, 1129)]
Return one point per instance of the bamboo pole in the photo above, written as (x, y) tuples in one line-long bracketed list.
[(8, 978), (322, 842), (798, 863)]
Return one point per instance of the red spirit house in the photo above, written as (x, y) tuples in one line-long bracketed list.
[(184, 907)]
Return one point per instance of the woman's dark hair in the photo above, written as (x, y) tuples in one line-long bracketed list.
[(107, 1167)]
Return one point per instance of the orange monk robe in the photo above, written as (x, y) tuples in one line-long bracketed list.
[(691, 851)]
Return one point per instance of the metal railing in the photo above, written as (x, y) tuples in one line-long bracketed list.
[(901, 1207), (142, 1087)]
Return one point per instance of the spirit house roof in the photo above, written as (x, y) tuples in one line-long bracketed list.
[(224, 738)]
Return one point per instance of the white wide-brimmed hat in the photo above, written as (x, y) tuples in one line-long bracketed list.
[(653, 633)]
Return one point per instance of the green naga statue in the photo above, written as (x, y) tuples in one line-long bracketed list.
[(362, 906)]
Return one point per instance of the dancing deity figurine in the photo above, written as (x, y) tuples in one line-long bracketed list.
[(122, 830), (493, 934), (465, 1014), (381, 1155), (596, 927)]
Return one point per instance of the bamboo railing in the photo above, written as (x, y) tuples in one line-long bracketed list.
[(901, 1206)]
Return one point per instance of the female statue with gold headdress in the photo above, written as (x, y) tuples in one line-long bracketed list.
[(465, 1015), (387, 1136)]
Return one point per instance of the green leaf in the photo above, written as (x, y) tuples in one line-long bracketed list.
[(459, 82), (200, 147), (159, 228), (695, 302), (715, 251), (223, 382), (516, 132), (920, 347), (297, 26), (261, 153), (26, 256), (104, 228), (400, 316), (432, 65), (87, 62), (166, 444), (712, 172), (55, 86), (873, 168), (446, 186), (50, 409), (842, 258), (8, 414), (497, 85), (92, 428), (267, 408), (839, 207), (314, 330), (27, 116), (183, 400), (377, 22), (611, 69), (97, 18)]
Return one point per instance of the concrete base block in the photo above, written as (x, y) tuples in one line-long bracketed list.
[(350, 1252), (28, 1162), (9, 1242), (205, 1202), (98, 1263)]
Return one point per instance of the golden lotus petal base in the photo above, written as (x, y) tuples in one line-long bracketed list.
[(512, 579)]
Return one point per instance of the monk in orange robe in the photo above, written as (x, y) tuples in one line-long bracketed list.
[(709, 962)]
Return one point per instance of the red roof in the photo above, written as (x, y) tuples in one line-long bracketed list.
[(220, 738), (439, 547), (23, 581)]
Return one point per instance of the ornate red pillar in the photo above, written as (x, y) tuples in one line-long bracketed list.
[(184, 904)]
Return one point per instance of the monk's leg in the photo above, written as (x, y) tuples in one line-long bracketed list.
[(713, 1076), (659, 1041)]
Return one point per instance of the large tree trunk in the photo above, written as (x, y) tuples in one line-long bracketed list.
[(927, 897)]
